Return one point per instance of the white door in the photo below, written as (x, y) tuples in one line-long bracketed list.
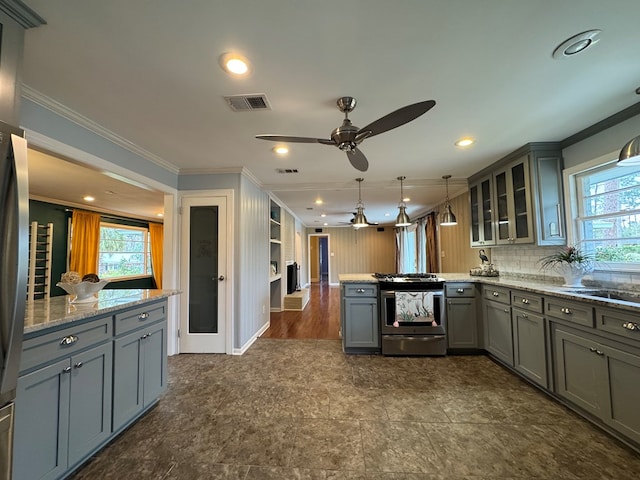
[(203, 275)]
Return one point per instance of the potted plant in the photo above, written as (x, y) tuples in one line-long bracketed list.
[(571, 262)]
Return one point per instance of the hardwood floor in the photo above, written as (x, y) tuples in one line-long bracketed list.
[(320, 319)]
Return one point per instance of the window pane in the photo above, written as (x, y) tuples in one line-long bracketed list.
[(123, 251)]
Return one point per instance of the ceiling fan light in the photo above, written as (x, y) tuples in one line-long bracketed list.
[(630, 153), (402, 219)]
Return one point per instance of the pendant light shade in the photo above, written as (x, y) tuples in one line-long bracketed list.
[(360, 221), (448, 218), (402, 219), (630, 153)]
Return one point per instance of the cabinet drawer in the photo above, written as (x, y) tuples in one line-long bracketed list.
[(619, 322), (360, 290), (50, 346), (526, 301), (496, 294), (570, 311), (453, 290), (139, 317)]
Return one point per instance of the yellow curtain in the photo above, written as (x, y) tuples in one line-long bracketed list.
[(156, 230), (85, 242)]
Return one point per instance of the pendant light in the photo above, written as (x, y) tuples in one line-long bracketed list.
[(360, 221), (403, 219), (630, 153), (448, 218)]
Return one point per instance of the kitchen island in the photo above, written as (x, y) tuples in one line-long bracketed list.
[(87, 372)]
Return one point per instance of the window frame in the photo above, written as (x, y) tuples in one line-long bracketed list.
[(573, 208), (148, 267)]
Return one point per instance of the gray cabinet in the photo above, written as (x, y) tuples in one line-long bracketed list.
[(140, 372), (482, 211), (529, 345), (599, 378), (496, 312), (360, 322), (527, 198), (462, 318), (63, 412)]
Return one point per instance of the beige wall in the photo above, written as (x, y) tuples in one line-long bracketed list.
[(358, 251), (454, 240)]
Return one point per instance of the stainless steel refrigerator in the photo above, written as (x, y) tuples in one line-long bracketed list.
[(14, 245)]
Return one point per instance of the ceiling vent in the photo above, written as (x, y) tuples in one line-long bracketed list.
[(287, 170), (245, 103)]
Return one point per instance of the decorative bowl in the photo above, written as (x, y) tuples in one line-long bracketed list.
[(84, 292)]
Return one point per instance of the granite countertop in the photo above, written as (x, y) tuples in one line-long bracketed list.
[(56, 311), (529, 285)]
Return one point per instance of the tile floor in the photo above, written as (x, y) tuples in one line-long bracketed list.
[(301, 409)]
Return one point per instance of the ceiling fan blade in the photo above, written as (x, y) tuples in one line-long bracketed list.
[(399, 117), (358, 160), (287, 139)]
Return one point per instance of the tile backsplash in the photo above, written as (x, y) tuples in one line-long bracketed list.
[(523, 261)]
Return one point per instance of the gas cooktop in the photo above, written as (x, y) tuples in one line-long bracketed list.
[(407, 277)]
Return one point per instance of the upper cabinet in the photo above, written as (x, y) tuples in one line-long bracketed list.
[(519, 199)]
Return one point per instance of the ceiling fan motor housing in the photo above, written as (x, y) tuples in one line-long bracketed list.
[(345, 136)]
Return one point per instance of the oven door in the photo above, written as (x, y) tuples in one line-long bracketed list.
[(420, 312)]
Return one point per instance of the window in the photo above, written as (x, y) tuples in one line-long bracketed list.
[(608, 215), (124, 251)]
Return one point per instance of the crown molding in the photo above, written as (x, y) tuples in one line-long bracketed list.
[(88, 124), (379, 185), (21, 13)]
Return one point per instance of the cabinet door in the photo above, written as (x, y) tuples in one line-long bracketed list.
[(529, 349), (90, 401), (462, 325), (127, 378), (548, 194), (498, 336), (361, 327), (41, 423), (623, 372), (154, 358), (513, 203), (579, 371), (482, 221)]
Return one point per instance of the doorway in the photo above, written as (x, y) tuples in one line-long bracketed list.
[(319, 258), (205, 282)]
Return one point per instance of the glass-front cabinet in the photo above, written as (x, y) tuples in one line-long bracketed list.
[(519, 199), (482, 221)]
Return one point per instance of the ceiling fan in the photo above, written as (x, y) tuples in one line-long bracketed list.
[(347, 137), (353, 219)]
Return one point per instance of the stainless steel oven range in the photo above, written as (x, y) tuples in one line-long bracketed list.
[(412, 314)]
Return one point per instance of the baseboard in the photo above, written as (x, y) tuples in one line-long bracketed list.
[(245, 347)]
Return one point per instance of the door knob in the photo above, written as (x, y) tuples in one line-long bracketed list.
[(221, 278)]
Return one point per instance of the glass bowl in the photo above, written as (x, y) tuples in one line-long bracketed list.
[(83, 292)]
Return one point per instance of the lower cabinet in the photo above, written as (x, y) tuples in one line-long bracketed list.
[(599, 378), (360, 318), (140, 372), (498, 338), (462, 323), (529, 346), (63, 412)]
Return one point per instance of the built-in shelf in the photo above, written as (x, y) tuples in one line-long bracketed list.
[(275, 256)]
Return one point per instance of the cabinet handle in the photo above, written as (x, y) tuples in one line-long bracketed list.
[(634, 327), (495, 294), (525, 301), (143, 316), (598, 352), (566, 310), (593, 349), (506, 310), (66, 370), (360, 290), (68, 340), (524, 315), (460, 290), (146, 335), (78, 365)]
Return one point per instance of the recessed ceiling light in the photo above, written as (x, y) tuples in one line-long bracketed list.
[(319, 201), (323, 215), (159, 214), (280, 149), (576, 44), (464, 142), (325, 224), (406, 199), (235, 64), (88, 198)]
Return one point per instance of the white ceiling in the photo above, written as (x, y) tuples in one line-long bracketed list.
[(149, 72)]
